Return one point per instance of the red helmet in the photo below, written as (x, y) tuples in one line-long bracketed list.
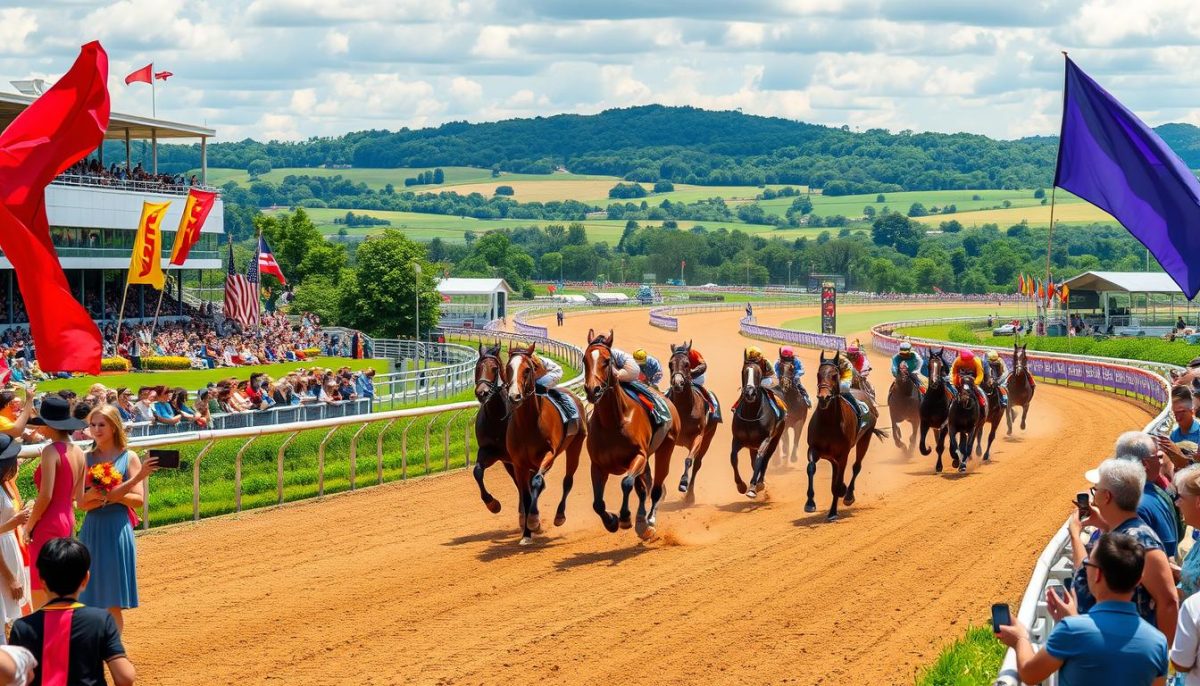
[(852, 350), (966, 356), (786, 352)]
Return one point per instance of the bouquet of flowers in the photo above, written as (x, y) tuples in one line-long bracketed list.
[(105, 477)]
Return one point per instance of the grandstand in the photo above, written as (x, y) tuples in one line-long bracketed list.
[(93, 211)]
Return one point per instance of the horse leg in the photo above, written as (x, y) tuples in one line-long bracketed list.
[(482, 462), (640, 486), (1024, 413), (599, 479), (684, 482), (662, 464), (733, 459), (860, 453), (964, 446), (987, 454), (573, 450), (523, 489), (923, 429), (895, 427), (1008, 414), (709, 432), (810, 505), (838, 485), (634, 471), (940, 435), (758, 478)]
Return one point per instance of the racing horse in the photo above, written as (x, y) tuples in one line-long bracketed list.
[(491, 422), (536, 434), (795, 399), (696, 426), (834, 430), (756, 427), (621, 438), (904, 405), (1020, 387), (935, 406), (965, 422), (995, 411)]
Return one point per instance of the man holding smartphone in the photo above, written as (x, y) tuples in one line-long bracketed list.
[(1110, 644)]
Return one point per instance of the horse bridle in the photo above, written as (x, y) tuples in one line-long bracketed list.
[(529, 367), (682, 353), (835, 388), (608, 383), (492, 385)]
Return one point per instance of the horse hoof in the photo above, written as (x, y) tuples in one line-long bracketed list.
[(751, 493), (625, 524), (848, 500), (741, 487), (962, 468), (535, 525), (559, 520), (810, 507), (954, 463), (683, 487), (493, 506), (647, 533), (526, 540), (831, 518), (938, 469), (610, 523)]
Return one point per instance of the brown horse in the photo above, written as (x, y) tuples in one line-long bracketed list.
[(833, 431), (756, 427), (621, 439), (536, 435), (964, 422), (696, 430), (935, 406), (1020, 387), (904, 405), (995, 411), (797, 404), (491, 423)]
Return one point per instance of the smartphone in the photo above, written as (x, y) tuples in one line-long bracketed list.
[(1001, 616), (1083, 501), (167, 459)]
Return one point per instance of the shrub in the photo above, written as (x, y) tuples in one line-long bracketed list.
[(312, 352), (115, 364), (166, 363), (504, 190)]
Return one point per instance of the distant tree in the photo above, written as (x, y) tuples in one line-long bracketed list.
[(869, 211), (977, 197), (1007, 204), (469, 236), (663, 187), (1039, 193), (495, 170), (378, 297), (802, 205), (844, 233), (880, 199), (389, 189), (439, 177), (952, 226), (917, 210), (259, 167), (627, 190), (950, 209), (1043, 201), (670, 224), (505, 190), (576, 234), (342, 232), (1018, 230)]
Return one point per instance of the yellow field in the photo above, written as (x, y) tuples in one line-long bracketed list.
[(1077, 212), (586, 190)]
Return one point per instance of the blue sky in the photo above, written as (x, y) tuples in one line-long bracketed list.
[(290, 69)]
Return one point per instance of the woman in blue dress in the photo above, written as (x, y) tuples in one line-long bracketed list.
[(108, 527)]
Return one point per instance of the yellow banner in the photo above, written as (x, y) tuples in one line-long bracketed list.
[(145, 265)]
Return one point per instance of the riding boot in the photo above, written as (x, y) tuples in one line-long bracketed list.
[(714, 409), (860, 412), (804, 395), (1003, 397)]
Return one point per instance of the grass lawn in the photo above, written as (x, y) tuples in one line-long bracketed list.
[(193, 379), (862, 321), (973, 659)]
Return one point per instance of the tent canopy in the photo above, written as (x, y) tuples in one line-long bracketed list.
[(1124, 282), (457, 286)]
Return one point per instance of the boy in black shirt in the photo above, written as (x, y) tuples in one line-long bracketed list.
[(71, 642)]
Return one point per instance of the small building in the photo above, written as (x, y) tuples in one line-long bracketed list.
[(1129, 303), (473, 302)]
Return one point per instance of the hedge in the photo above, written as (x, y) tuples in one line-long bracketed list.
[(166, 363), (114, 364), (1146, 349), (312, 352)]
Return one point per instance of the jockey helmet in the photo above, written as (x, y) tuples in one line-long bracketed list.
[(993, 356), (853, 351), (906, 347), (966, 356), (786, 353), (753, 352), (639, 355)]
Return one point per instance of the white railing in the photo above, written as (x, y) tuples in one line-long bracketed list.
[(128, 184), (1136, 379)]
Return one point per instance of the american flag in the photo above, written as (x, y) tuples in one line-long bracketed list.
[(241, 293), (266, 261)]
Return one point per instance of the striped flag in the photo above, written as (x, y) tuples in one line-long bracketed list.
[(241, 295), (266, 261)]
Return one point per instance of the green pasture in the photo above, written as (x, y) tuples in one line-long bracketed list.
[(378, 178), (861, 321), (971, 660)]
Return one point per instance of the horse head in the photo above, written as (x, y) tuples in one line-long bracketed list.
[(937, 367), (751, 378), (600, 339), (829, 374), (680, 366), (1020, 361), (489, 373), (787, 375), (966, 394), (522, 372), (598, 375)]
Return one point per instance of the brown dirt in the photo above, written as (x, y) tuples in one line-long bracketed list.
[(416, 583)]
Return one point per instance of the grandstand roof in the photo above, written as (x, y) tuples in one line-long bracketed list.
[(1124, 282), (458, 286), (139, 128)]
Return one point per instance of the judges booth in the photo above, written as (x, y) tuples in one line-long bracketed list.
[(473, 303), (1129, 303)]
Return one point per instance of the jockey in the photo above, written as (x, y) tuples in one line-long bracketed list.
[(845, 378), (966, 366), (698, 367), (651, 370), (768, 382), (628, 374), (786, 354), (859, 359), (999, 375), (548, 383), (912, 360)]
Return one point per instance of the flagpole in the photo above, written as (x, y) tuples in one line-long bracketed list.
[(120, 316), (258, 286), (153, 96), (154, 326)]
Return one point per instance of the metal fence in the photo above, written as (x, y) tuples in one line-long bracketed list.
[(308, 412), (1135, 379), (423, 371), (128, 184)]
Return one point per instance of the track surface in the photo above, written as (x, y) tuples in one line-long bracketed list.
[(416, 583)]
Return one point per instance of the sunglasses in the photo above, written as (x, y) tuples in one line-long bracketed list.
[(1089, 563)]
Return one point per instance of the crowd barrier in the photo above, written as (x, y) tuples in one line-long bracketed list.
[(308, 412), (423, 371), (667, 318), (1135, 379)]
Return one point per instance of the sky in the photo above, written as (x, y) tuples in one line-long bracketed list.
[(293, 69)]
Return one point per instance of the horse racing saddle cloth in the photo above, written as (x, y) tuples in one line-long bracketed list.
[(561, 400)]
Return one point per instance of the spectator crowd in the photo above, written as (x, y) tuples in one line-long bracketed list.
[(114, 174)]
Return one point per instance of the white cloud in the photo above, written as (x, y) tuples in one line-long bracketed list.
[(16, 25), (336, 43)]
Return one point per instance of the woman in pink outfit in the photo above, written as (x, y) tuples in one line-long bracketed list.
[(59, 479)]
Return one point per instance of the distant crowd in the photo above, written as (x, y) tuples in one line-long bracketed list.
[(114, 174)]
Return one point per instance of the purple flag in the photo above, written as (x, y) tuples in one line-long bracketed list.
[(1109, 157)]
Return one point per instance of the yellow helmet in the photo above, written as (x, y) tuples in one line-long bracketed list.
[(993, 356), (639, 355), (753, 352)]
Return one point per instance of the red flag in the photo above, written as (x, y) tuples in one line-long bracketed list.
[(58, 129), (142, 74), (1050, 290), (163, 75), (1021, 283), (195, 211)]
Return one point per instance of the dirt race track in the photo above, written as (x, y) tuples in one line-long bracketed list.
[(416, 583)]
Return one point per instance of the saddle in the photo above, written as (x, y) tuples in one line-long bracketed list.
[(561, 400), (710, 401), (655, 406), (773, 402)]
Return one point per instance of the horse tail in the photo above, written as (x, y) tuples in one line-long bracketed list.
[(883, 434)]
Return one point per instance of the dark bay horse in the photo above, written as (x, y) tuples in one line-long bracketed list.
[(904, 405), (965, 422), (1020, 387), (833, 431), (797, 410), (696, 431), (756, 428), (491, 422), (935, 406), (536, 435), (995, 411), (621, 440)]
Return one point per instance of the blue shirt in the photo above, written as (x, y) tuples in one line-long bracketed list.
[(163, 410), (1154, 511), (1189, 576), (364, 386), (1141, 597), (1111, 644), (1193, 435)]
